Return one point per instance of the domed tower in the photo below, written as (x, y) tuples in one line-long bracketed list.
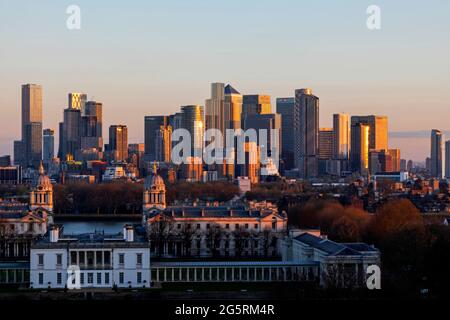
[(41, 196), (154, 192)]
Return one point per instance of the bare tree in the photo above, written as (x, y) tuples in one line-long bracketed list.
[(240, 237), (187, 234), (161, 232), (213, 238)]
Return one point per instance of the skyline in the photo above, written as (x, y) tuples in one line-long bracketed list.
[(173, 60)]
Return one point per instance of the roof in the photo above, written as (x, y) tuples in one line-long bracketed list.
[(92, 240), (334, 248), (215, 212), (230, 90)]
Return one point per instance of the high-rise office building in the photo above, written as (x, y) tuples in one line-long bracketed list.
[(255, 104), (341, 140), (359, 156), (31, 145), (163, 143), (77, 101), (214, 108), (232, 108), (118, 142), (71, 133), (326, 139), (270, 122), (306, 133), (437, 154), (403, 165), (49, 146), (152, 125), (91, 139), (192, 119), (285, 107), (447, 159), (378, 125), (395, 156), (381, 161)]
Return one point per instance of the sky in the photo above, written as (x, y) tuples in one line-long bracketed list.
[(151, 57)]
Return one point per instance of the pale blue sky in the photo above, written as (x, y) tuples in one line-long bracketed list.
[(149, 57)]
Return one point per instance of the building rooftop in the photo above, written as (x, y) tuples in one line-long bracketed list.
[(334, 248), (216, 212)]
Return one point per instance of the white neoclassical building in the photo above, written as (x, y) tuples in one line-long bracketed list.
[(254, 229), (103, 261)]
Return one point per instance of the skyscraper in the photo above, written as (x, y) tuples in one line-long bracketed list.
[(91, 131), (270, 122), (395, 156), (118, 142), (232, 108), (326, 143), (341, 132), (255, 104), (71, 133), (152, 125), (77, 101), (359, 156), (437, 154), (285, 107), (306, 133), (378, 139), (49, 145), (163, 143), (447, 159), (192, 119), (214, 108), (31, 145)]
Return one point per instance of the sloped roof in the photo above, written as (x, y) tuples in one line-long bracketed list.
[(230, 90)]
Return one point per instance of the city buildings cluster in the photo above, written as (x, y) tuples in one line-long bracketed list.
[(355, 145)]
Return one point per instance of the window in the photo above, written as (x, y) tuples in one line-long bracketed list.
[(138, 258), (179, 226), (227, 226), (58, 259), (106, 278), (41, 278), (107, 257), (59, 278), (256, 226), (90, 279), (98, 257), (236, 226), (207, 226), (40, 259), (81, 257), (139, 277), (99, 278), (73, 257), (246, 226), (81, 278), (274, 224), (121, 277), (121, 258), (198, 225)]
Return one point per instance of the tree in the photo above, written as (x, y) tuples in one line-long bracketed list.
[(395, 216), (160, 232), (186, 235), (213, 238)]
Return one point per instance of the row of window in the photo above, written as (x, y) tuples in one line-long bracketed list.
[(99, 258), (90, 278)]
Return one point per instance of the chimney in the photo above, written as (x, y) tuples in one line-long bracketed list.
[(129, 233), (203, 212), (54, 234)]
